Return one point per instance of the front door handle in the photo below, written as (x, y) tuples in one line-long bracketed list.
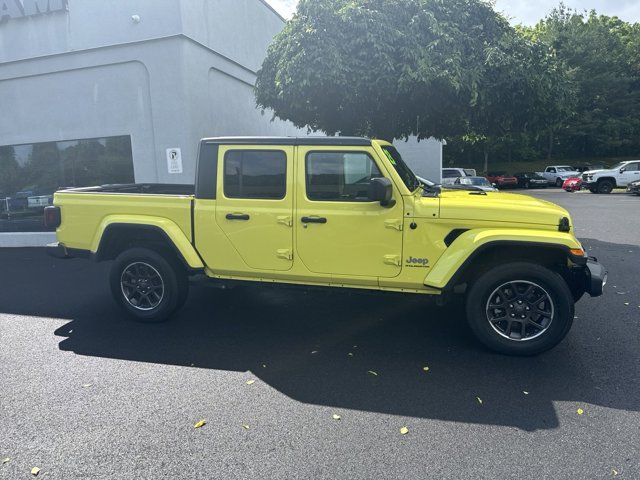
[(313, 220), (238, 216)]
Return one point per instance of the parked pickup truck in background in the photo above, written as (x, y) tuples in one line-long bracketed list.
[(556, 175), (334, 212), (604, 181)]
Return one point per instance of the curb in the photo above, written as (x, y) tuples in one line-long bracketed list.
[(26, 239)]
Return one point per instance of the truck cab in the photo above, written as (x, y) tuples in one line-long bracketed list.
[(335, 212), (618, 176)]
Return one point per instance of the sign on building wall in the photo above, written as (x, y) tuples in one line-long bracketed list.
[(174, 160), (26, 8)]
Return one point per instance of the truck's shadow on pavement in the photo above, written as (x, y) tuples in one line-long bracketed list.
[(299, 342)]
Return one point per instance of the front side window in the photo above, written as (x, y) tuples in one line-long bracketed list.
[(632, 167), (403, 170), (340, 176), (255, 174)]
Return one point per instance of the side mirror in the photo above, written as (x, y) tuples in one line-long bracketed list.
[(381, 190), (622, 170), (494, 185)]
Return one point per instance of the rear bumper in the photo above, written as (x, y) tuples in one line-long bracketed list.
[(60, 251), (596, 277)]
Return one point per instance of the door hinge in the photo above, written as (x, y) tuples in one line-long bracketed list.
[(393, 260), (285, 220), (395, 224), (285, 254)]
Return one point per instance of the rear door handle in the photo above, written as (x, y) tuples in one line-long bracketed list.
[(313, 220), (238, 216)]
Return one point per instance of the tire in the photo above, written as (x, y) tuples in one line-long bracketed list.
[(527, 184), (559, 182), (147, 285), (593, 190), (541, 332), (605, 186)]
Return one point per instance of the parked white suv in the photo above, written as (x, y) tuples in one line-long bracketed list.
[(557, 174), (604, 181), (449, 175)]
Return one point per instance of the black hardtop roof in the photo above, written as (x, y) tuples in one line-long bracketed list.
[(338, 141)]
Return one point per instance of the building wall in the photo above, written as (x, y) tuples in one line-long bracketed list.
[(185, 71)]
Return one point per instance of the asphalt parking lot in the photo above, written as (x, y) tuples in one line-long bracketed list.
[(87, 394)]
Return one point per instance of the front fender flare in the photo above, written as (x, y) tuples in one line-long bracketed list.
[(472, 243)]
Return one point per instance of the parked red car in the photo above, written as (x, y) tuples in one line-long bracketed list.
[(572, 184), (502, 179)]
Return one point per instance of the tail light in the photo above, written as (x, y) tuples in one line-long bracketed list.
[(52, 217)]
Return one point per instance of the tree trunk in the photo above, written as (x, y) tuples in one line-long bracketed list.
[(486, 160)]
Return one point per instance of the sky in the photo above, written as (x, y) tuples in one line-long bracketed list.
[(528, 11)]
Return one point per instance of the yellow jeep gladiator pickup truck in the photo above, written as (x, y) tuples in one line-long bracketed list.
[(337, 212)]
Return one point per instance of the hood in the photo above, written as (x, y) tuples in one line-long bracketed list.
[(591, 172), (509, 208)]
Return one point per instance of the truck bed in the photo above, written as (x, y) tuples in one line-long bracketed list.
[(87, 211), (138, 188)]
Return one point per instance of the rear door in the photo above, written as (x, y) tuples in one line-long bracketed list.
[(254, 204)]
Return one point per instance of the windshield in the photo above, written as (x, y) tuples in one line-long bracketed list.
[(615, 167), (478, 181), (395, 159)]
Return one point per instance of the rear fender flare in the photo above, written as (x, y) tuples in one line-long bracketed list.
[(169, 229)]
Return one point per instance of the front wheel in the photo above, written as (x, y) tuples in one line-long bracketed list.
[(520, 309), (605, 186), (559, 182), (146, 285)]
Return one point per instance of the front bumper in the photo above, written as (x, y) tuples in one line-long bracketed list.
[(596, 277)]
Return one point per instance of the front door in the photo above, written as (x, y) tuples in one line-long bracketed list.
[(254, 205), (339, 230), (631, 174)]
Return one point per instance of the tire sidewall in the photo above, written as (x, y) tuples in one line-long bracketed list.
[(606, 190), (552, 282), (166, 270)]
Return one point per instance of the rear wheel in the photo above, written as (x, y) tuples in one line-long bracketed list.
[(605, 186), (520, 308), (146, 285)]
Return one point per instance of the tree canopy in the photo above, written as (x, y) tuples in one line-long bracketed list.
[(456, 70)]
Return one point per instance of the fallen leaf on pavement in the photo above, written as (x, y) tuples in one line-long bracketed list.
[(404, 431), (250, 382), (245, 426), (87, 385), (426, 369), (35, 471), (5, 460), (336, 416), (580, 411), (200, 424), (314, 352), (479, 400), (371, 372), (614, 472), (264, 366), (626, 303), (526, 393), (350, 354)]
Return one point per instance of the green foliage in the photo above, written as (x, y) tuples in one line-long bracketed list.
[(455, 69)]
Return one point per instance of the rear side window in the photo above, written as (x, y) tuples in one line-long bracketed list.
[(340, 176), (450, 173), (259, 174)]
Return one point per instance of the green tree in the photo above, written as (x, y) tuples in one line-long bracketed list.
[(385, 68), (603, 56)]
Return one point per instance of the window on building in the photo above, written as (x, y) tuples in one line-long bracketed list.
[(340, 176), (30, 174), (259, 174)]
